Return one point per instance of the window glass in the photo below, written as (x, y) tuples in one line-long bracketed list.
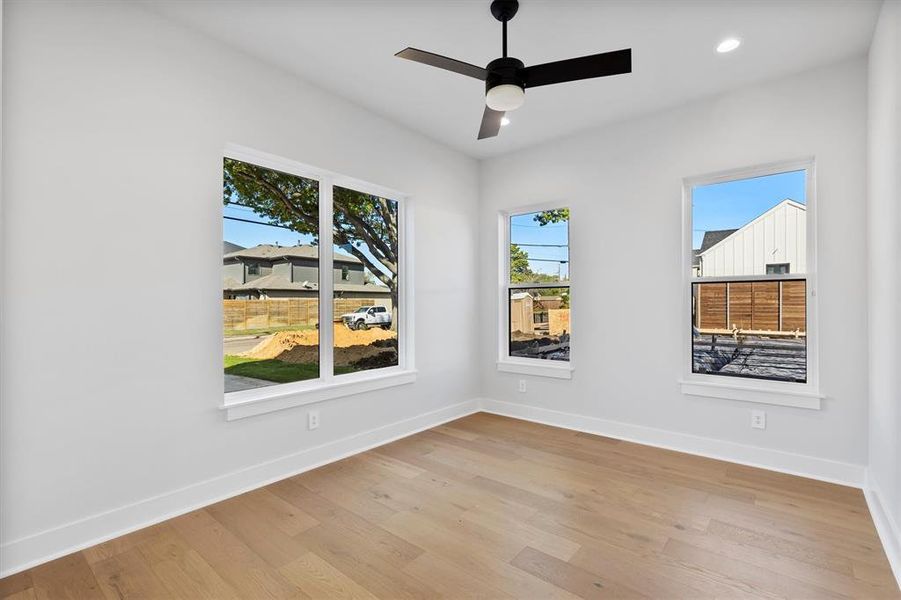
[(538, 290), (366, 301), (749, 295), (539, 247), (270, 276)]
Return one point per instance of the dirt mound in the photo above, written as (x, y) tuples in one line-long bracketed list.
[(305, 342), (351, 347), (376, 361)]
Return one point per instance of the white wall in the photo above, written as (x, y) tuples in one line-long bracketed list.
[(624, 185), (114, 123), (884, 210)]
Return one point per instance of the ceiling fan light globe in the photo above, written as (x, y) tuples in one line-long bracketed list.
[(505, 97)]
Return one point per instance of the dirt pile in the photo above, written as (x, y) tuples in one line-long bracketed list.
[(374, 346)]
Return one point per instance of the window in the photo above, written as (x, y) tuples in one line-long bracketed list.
[(285, 221), (535, 304), (749, 260)]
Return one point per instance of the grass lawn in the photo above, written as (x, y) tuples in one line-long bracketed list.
[(265, 331), (274, 370)]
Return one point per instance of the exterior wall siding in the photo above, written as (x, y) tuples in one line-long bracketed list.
[(777, 236)]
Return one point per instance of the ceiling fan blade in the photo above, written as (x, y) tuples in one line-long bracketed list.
[(574, 69), (443, 62), (491, 123)]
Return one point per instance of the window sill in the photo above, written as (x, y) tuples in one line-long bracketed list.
[(802, 398), (560, 370), (249, 403)]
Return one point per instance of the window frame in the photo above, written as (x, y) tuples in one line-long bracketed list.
[(517, 364), (786, 265), (327, 386), (782, 393)]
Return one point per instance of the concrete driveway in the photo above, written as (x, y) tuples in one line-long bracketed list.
[(244, 343), (236, 383)]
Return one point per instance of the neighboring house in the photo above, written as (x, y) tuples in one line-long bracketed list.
[(268, 271), (773, 243)]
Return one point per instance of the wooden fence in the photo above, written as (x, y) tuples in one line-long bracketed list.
[(241, 315), (777, 306)]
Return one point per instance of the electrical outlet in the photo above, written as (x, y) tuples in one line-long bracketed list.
[(313, 419), (522, 386), (758, 419)]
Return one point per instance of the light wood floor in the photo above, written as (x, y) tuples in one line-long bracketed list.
[(490, 507)]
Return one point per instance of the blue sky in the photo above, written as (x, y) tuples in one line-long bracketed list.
[(732, 204), (524, 231)]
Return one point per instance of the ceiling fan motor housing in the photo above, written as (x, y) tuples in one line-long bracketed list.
[(504, 70)]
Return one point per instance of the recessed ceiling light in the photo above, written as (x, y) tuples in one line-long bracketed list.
[(728, 45), (504, 121)]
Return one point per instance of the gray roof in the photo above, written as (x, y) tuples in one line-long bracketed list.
[(711, 238), (696, 258), (270, 252), (228, 247), (282, 283)]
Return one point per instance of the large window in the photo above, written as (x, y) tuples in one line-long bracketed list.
[(751, 255), (536, 287), (289, 319)]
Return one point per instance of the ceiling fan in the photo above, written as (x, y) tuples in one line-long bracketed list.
[(507, 78)]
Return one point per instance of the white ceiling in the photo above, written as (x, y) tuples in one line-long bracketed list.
[(347, 47)]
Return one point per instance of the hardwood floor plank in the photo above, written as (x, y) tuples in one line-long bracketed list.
[(182, 570), (69, 577), (232, 559), (327, 512), (319, 579), (569, 577), (266, 539), (754, 579), (15, 584), (358, 559), (127, 575), (492, 507)]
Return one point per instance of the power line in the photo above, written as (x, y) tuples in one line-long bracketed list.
[(257, 223)]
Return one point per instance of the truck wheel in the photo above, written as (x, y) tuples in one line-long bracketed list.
[(362, 325), (385, 327)]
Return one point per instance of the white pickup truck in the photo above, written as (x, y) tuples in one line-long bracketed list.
[(366, 317)]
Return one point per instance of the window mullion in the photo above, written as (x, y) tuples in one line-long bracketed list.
[(326, 280)]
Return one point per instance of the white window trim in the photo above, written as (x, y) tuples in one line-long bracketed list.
[(246, 403), (515, 364), (801, 395)]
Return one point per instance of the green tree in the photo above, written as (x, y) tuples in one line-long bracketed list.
[(361, 221), (552, 216), (519, 265)]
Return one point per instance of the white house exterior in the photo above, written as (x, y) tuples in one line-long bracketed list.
[(773, 243)]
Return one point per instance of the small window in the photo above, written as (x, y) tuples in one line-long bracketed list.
[(253, 269), (749, 313), (345, 272), (537, 286)]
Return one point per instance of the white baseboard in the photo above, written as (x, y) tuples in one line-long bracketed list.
[(752, 456), (886, 527), (39, 548)]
